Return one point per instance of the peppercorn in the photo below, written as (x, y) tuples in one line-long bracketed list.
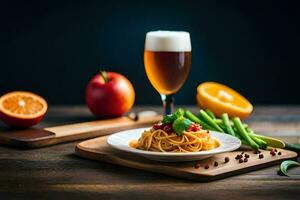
[(242, 153), (246, 160), (247, 155), (197, 166), (238, 157), (279, 153), (206, 166), (241, 160), (256, 152), (275, 150), (216, 164), (261, 156), (227, 159), (272, 153)]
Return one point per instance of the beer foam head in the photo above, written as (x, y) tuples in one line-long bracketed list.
[(168, 41)]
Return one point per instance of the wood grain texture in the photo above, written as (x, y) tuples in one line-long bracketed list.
[(56, 173), (36, 138), (98, 149)]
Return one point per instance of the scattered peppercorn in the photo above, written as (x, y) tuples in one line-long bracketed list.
[(241, 160), (227, 159), (279, 153), (247, 155), (206, 166), (275, 150), (246, 160), (256, 152), (238, 157), (261, 156), (272, 153), (216, 164), (197, 166), (242, 153)]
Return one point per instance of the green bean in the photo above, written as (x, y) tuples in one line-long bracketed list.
[(238, 124), (293, 147), (262, 144), (227, 124), (211, 114), (195, 119), (244, 142), (205, 117), (237, 134), (222, 126), (220, 123)]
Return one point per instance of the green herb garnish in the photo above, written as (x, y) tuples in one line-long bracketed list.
[(285, 165), (179, 113), (168, 119), (172, 117), (180, 124)]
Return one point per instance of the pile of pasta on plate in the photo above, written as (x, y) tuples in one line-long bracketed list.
[(176, 133)]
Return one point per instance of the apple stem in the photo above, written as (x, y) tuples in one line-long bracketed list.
[(104, 76)]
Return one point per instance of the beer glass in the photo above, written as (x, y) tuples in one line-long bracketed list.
[(167, 60)]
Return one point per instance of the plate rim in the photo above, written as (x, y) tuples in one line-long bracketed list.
[(171, 154)]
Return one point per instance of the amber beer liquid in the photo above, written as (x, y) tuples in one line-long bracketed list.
[(167, 71), (167, 60)]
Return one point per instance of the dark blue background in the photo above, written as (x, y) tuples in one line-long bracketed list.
[(54, 47)]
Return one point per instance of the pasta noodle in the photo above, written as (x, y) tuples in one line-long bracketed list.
[(188, 141)]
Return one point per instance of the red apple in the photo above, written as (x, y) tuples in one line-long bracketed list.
[(109, 94)]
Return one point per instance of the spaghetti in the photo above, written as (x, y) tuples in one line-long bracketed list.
[(162, 141)]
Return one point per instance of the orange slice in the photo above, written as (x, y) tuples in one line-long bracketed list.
[(22, 109), (221, 99)]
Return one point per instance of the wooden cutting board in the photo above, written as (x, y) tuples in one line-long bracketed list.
[(98, 149), (35, 138)]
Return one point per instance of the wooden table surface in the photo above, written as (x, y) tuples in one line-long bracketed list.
[(56, 173)]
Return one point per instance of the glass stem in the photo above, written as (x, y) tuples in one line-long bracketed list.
[(168, 103)]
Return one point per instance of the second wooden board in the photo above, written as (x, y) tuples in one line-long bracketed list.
[(35, 138), (98, 149)]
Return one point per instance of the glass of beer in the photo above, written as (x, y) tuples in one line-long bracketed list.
[(167, 60)]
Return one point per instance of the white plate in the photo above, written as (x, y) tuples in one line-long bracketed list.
[(120, 141)]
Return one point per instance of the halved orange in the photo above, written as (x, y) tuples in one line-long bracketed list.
[(22, 109), (221, 99)]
